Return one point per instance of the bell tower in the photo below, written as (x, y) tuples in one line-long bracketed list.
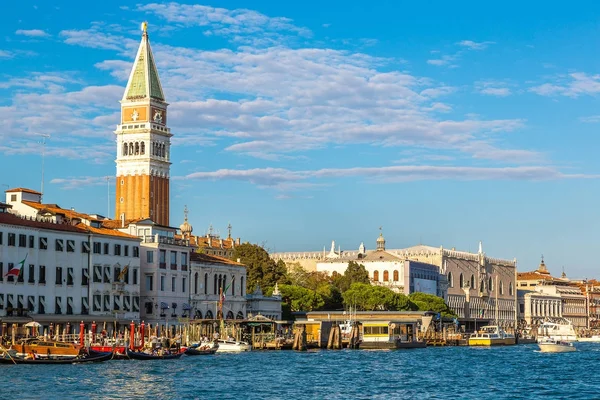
[(143, 143)]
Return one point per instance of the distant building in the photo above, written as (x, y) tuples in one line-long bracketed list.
[(388, 269)]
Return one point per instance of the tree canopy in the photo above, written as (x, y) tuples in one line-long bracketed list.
[(430, 302), (260, 268), (376, 298)]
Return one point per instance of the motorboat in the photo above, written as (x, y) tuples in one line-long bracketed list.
[(227, 345), (558, 329), (205, 350), (555, 346), (42, 348), (491, 335), (158, 355)]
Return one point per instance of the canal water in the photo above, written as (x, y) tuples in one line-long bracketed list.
[(432, 373)]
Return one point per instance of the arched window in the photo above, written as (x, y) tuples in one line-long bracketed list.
[(215, 290), (196, 283), (386, 276), (461, 281), (162, 150), (240, 315), (224, 284), (490, 284), (137, 149), (473, 282), (124, 149), (209, 315), (510, 288), (482, 286), (142, 148), (450, 280), (376, 276), (229, 315), (198, 314), (396, 278), (242, 286), (206, 283), (232, 287), (501, 287), (131, 148)]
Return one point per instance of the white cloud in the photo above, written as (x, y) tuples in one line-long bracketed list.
[(240, 25), (471, 45), (6, 54), (493, 88), (572, 85), (592, 119), (38, 33), (283, 179), (79, 183), (447, 60)]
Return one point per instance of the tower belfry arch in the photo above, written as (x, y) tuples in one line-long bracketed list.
[(143, 143)]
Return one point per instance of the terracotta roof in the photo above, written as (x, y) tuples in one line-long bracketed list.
[(7, 218), (55, 209), (23, 190), (533, 275), (116, 223), (206, 258), (202, 241)]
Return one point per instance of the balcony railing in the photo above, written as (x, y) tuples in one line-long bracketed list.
[(174, 267), (184, 267), (165, 240), (162, 265)]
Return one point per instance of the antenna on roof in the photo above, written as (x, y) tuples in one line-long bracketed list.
[(44, 137)]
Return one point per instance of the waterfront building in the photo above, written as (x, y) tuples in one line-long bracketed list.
[(542, 297), (165, 270), (480, 289), (71, 268), (388, 269), (217, 284), (267, 306), (143, 144)]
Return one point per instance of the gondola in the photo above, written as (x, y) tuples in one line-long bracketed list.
[(91, 358), (138, 355), (200, 351)]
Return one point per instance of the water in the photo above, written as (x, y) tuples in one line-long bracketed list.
[(432, 373)]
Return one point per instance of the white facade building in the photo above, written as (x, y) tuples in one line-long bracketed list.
[(72, 268), (165, 271), (211, 276)]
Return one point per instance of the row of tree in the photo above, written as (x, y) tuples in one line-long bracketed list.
[(302, 290)]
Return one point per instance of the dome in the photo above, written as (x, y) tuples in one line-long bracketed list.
[(380, 238), (186, 228)]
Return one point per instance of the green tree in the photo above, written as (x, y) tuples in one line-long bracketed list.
[(430, 302), (260, 268), (298, 298), (370, 298), (355, 273)]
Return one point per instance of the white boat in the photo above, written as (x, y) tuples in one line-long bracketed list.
[(558, 329), (556, 346), (227, 346), (592, 339)]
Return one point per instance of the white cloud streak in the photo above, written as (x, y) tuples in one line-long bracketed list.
[(35, 33)]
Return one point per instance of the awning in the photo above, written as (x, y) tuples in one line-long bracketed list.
[(43, 301), (86, 273), (163, 305), (70, 301), (186, 307), (97, 304), (85, 302)]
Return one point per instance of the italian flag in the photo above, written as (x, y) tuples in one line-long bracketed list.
[(15, 271)]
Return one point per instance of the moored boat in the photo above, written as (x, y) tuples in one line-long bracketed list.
[(491, 335), (159, 355), (558, 329), (85, 358), (555, 346), (201, 350), (228, 346), (46, 348)]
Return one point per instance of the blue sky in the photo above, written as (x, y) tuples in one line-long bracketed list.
[(304, 122)]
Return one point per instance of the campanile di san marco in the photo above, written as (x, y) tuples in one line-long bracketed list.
[(143, 143)]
